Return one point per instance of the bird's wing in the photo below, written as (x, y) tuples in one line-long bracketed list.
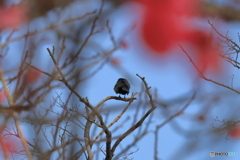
[(125, 89), (128, 85)]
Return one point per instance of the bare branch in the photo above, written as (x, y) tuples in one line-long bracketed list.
[(207, 79), (139, 123), (14, 114)]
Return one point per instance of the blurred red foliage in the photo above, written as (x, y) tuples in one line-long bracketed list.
[(124, 44), (206, 50), (12, 17), (115, 61), (234, 132), (165, 23), (9, 144), (2, 96), (31, 76)]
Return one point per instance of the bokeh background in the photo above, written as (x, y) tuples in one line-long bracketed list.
[(98, 42)]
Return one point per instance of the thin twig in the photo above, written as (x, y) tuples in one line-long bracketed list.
[(202, 75), (118, 117), (14, 114), (46, 29), (139, 123)]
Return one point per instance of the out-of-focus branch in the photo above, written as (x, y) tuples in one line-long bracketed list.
[(63, 79), (15, 108), (14, 114), (91, 117), (90, 33), (5, 152), (46, 29), (111, 34), (41, 71), (167, 121), (227, 13), (202, 75)]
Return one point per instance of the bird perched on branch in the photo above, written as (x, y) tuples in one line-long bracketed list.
[(122, 87)]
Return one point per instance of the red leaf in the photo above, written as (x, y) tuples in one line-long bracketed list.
[(124, 44), (234, 132), (206, 50), (2, 96), (115, 61), (31, 76), (12, 17), (9, 144), (163, 25)]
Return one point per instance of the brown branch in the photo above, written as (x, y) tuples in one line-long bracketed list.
[(84, 100), (41, 71), (167, 121), (116, 98), (119, 116), (14, 114), (15, 108), (202, 75), (111, 34), (224, 37), (139, 123), (45, 29), (90, 33), (225, 12)]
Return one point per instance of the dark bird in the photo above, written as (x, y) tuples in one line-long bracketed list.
[(122, 86)]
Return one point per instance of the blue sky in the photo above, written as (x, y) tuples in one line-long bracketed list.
[(174, 77)]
